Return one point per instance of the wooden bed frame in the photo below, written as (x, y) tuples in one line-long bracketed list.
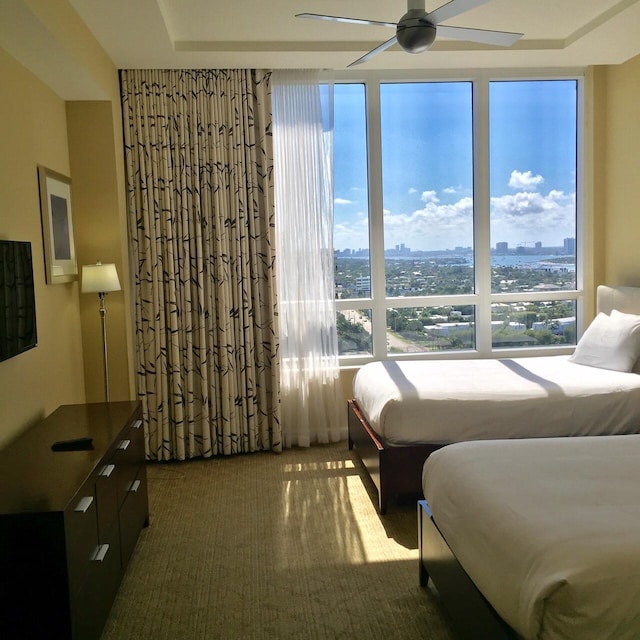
[(397, 469), (394, 470), (472, 616)]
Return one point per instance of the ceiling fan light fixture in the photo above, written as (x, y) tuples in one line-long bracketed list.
[(416, 39), (413, 33)]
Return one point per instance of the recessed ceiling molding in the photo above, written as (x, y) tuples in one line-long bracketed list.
[(224, 34), (351, 47), (31, 41), (310, 46), (601, 20)]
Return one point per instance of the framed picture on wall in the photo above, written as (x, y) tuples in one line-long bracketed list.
[(57, 227)]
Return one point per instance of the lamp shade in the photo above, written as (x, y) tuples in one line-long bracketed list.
[(100, 278)]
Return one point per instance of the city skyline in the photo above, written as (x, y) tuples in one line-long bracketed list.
[(567, 247)]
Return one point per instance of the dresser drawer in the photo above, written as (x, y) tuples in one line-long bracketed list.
[(107, 497), (91, 602), (128, 457), (81, 531), (134, 514)]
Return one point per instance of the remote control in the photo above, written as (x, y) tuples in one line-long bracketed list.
[(77, 444)]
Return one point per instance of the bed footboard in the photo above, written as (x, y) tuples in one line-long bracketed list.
[(471, 614)]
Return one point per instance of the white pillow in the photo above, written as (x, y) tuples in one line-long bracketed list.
[(610, 342), (616, 313)]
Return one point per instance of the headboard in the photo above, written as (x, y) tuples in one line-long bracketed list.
[(624, 299)]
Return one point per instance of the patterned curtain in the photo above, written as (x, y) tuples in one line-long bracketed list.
[(199, 165)]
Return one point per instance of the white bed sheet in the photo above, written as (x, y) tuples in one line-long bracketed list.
[(445, 401), (548, 529)]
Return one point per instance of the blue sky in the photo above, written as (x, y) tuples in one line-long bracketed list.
[(427, 164)]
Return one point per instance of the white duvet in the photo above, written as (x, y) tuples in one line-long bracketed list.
[(444, 401), (548, 530)]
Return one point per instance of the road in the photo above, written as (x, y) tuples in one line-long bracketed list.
[(394, 341)]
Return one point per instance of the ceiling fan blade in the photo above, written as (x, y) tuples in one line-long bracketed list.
[(317, 16), (451, 9), (379, 49), (485, 36)]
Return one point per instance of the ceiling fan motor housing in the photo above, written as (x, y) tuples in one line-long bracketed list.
[(414, 35)]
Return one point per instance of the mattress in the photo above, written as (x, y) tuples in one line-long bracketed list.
[(445, 401), (547, 529)]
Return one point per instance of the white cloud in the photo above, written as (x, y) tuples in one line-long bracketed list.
[(352, 235), (526, 180), (544, 208), (532, 216), (433, 227), (429, 197), (523, 216), (342, 201), (412, 190)]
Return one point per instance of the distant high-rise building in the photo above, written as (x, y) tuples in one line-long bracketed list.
[(363, 285), (502, 248), (570, 246), (399, 250), (538, 245)]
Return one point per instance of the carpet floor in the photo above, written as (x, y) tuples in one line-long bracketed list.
[(273, 546)]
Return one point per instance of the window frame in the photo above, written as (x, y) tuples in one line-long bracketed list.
[(483, 296)]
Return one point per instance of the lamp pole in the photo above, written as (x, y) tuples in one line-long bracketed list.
[(101, 278), (103, 318)]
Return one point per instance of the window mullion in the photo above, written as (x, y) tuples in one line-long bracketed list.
[(376, 217), (481, 207)]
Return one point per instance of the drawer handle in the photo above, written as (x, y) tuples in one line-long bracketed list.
[(107, 470), (84, 504), (100, 553), (137, 424), (124, 444), (134, 486)]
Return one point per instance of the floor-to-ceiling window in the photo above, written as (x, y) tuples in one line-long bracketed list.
[(457, 216)]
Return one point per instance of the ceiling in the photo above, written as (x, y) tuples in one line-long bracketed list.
[(265, 34), (224, 34)]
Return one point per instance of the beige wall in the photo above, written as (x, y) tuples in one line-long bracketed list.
[(83, 140), (96, 165), (595, 176), (33, 131), (621, 214)]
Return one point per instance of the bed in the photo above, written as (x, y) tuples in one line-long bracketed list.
[(401, 412), (535, 539)]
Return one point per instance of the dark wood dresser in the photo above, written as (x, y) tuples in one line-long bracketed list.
[(69, 520)]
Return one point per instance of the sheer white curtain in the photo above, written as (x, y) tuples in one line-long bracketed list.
[(311, 410)]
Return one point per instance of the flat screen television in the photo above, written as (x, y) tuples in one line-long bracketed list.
[(17, 299)]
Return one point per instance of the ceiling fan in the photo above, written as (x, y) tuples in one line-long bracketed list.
[(416, 30)]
